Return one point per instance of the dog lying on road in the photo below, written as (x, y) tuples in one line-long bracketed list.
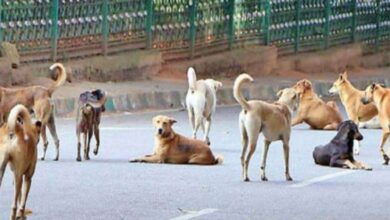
[(381, 97), (339, 152), (201, 101), (313, 111), (273, 120), (37, 99), (18, 147), (171, 147), (91, 106)]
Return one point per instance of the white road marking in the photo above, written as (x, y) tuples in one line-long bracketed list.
[(321, 178), (194, 214), (126, 128)]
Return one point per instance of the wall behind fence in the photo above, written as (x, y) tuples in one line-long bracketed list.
[(54, 29)]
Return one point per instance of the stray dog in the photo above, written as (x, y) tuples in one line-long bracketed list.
[(91, 106), (350, 97), (362, 115), (339, 152), (18, 147), (171, 147), (273, 120), (37, 99), (201, 102), (313, 111), (381, 97), (289, 97)]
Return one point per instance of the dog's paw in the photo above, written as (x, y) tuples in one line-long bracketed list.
[(78, 159), (288, 178), (42, 158), (368, 168), (134, 161), (246, 179), (95, 152), (264, 178), (55, 159)]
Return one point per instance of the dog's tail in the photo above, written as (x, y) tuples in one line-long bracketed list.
[(19, 115), (243, 78), (191, 78), (61, 78), (218, 159)]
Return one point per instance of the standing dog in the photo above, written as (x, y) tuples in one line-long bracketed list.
[(18, 147), (91, 106), (359, 113), (201, 102), (362, 115), (171, 147), (273, 120), (381, 98), (37, 99), (339, 152), (313, 111)]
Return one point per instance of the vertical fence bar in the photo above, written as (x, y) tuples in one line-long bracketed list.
[(54, 29), (231, 34), (192, 27), (377, 30), (297, 22), (105, 27), (327, 23), (149, 23), (261, 18), (267, 21), (354, 17), (1, 21)]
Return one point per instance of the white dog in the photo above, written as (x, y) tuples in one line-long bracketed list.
[(201, 101)]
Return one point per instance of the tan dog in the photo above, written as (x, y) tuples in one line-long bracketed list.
[(381, 98), (88, 120), (289, 97), (38, 99), (313, 111), (171, 147), (18, 147), (273, 120), (201, 101), (351, 98)]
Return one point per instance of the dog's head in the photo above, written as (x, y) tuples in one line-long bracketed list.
[(214, 84), (289, 97), (302, 86), (343, 77), (350, 129), (369, 92), (163, 125)]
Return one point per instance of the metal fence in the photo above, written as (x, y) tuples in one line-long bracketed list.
[(62, 29)]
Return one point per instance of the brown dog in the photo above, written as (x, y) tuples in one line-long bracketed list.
[(381, 97), (171, 147), (18, 147), (37, 99), (273, 120), (91, 106), (351, 99), (313, 111)]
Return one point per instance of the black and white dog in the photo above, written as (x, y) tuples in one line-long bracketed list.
[(339, 152)]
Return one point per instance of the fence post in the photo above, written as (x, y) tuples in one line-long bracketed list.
[(192, 26), (327, 23), (105, 27), (354, 11), (54, 29), (149, 21), (297, 29), (1, 20), (267, 21), (378, 28), (231, 23)]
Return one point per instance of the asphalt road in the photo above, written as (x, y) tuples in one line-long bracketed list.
[(108, 187)]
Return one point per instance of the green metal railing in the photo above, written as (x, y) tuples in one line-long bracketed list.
[(59, 29)]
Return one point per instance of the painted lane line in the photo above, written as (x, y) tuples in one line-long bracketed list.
[(194, 214), (125, 128), (321, 179)]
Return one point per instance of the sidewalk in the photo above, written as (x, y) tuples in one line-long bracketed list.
[(163, 93)]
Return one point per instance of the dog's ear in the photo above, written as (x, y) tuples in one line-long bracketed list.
[(382, 85), (344, 75), (307, 84), (279, 93), (172, 121), (218, 85)]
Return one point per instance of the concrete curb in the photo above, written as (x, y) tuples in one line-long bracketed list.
[(176, 99)]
